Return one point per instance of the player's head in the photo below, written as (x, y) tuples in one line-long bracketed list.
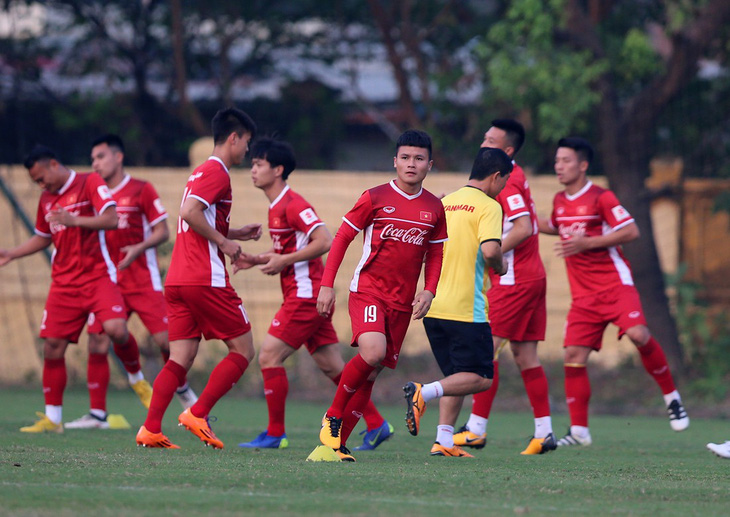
[(572, 159), (45, 168), (414, 138), (491, 166), (107, 156), (233, 127), (268, 153), (412, 158), (506, 134)]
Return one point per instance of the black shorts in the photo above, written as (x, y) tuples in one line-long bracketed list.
[(461, 346)]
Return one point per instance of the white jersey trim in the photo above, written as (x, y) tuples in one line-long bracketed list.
[(126, 179), (622, 268), (367, 249), (353, 226), (217, 268), (301, 270), (199, 199), (221, 162), (150, 255), (278, 198), (399, 191), (572, 197)]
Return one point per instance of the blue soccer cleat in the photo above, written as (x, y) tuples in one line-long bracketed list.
[(375, 437), (266, 441)]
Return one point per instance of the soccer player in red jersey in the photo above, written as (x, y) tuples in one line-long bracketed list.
[(401, 223), (517, 309), (592, 225), (73, 213), (199, 295), (300, 238), (132, 247)]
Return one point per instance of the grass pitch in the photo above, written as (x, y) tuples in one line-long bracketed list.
[(636, 466)]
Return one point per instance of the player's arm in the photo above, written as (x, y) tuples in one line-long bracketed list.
[(160, 233), (544, 226), (33, 245), (579, 243), (320, 242), (246, 233), (247, 261), (192, 212), (107, 220), (326, 298), (520, 232), (432, 273), (493, 257)]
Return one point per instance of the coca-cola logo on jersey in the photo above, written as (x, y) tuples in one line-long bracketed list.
[(409, 236), (58, 227), (569, 230), (123, 221)]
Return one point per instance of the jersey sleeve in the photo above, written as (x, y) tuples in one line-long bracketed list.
[(210, 187), (361, 215), (42, 228), (440, 231), (151, 205), (99, 194), (302, 216), (490, 222), (615, 215), (512, 200)]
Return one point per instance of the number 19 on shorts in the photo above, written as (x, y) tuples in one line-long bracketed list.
[(371, 314)]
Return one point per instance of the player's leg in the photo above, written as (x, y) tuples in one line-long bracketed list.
[(97, 379), (577, 395), (449, 408), (54, 384), (126, 348), (185, 394)]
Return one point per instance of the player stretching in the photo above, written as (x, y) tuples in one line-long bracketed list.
[(73, 212), (300, 238), (517, 311), (199, 295), (592, 225), (457, 325), (401, 223)]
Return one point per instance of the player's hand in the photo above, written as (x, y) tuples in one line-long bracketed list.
[(5, 257), (245, 261), (231, 249), (60, 215), (250, 232), (274, 265), (421, 304), (505, 267), (131, 253), (567, 248), (325, 301)]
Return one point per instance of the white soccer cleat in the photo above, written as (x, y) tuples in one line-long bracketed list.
[(721, 449), (573, 439), (88, 421), (186, 396), (678, 418)]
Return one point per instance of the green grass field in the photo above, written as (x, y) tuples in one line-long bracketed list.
[(636, 466)]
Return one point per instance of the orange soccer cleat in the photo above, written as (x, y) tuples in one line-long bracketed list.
[(415, 406), (200, 428), (154, 440)]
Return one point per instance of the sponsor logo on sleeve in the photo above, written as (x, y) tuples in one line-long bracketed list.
[(516, 202), (308, 216), (158, 206), (103, 192), (620, 213)]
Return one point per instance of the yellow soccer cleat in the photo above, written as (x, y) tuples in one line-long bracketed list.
[(43, 425), (329, 434), (154, 440), (465, 438), (144, 392), (541, 445), (344, 454), (200, 428), (415, 406), (451, 452)]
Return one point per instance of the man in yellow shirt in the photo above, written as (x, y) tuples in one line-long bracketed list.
[(457, 324)]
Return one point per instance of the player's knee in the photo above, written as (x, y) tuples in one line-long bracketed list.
[(54, 348), (638, 334), (483, 384)]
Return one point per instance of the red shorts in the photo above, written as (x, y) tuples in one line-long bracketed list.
[(213, 312), (518, 312), (150, 307), (368, 314), (297, 323), (589, 315), (67, 309)]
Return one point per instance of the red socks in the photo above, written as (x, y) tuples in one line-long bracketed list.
[(354, 409), (483, 400), (223, 377), (354, 375), (577, 394), (128, 353), (163, 390), (97, 379), (371, 415), (54, 381), (655, 363), (536, 386), (276, 388)]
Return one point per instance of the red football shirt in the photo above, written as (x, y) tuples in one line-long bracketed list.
[(525, 264), (397, 230), (195, 260), (291, 222), (139, 209), (592, 211), (81, 255)]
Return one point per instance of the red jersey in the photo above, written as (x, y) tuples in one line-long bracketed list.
[(397, 231), (592, 211), (139, 209), (524, 261), (195, 260), (81, 255), (291, 221)]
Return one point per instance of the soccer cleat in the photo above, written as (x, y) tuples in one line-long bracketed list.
[(329, 434), (678, 418), (344, 454), (200, 428), (465, 438), (154, 440), (186, 396), (43, 425), (721, 449), (144, 392), (88, 421), (541, 445), (266, 441), (375, 437), (451, 452), (415, 406), (570, 439)]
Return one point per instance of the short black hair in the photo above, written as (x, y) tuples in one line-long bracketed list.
[(39, 153), (232, 120), (414, 138), (111, 140), (276, 152), (514, 130), (581, 146), (488, 161)]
